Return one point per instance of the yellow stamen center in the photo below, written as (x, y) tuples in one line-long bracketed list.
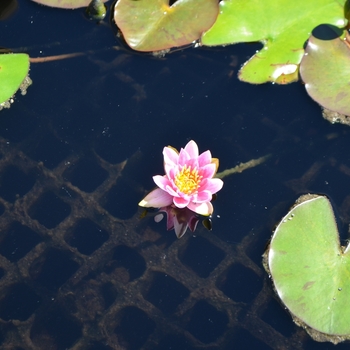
[(188, 180)]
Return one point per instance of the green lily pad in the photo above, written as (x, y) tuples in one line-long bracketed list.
[(282, 26), (65, 4), (13, 71), (325, 70), (153, 25), (310, 270)]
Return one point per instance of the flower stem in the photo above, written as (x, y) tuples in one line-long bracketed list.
[(242, 166)]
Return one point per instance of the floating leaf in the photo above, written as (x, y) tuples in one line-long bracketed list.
[(65, 4), (282, 26), (325, 69), (310, 270), (13, 71), (153, 25)]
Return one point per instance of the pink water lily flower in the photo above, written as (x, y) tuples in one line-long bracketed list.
[(188, 181)]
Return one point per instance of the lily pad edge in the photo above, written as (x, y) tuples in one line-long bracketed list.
[(22, 85)]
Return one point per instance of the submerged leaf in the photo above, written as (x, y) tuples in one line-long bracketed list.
[(153, 25), (310, 270), (13, 71), (325, 70), (282, 26), (96, 10)]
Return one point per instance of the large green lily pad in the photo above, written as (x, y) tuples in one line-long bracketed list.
[(13, 70), (310, 270), (65, 4), (282, 26), (325, 70), (153, 25)]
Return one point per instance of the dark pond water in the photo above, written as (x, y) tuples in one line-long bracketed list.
[(79, 269)]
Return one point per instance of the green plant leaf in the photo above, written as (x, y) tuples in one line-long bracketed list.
[(153, 25), (13, 70), (282, 26), (325, 70), (65, 4), (309, 268)]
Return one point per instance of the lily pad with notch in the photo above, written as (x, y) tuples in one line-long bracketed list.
[(310, 270), (153, 25), (325, 70), (282, 26)]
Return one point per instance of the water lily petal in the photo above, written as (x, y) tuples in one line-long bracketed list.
[(170, 171), (168, 168), (204, 159), (204, 196), (184, 157), (211, 185), (205, 208), (208, 171), (181, 202), (156, 199), (161, 181), (170, 156), (170, 190), (192, 149), (192, 163)]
